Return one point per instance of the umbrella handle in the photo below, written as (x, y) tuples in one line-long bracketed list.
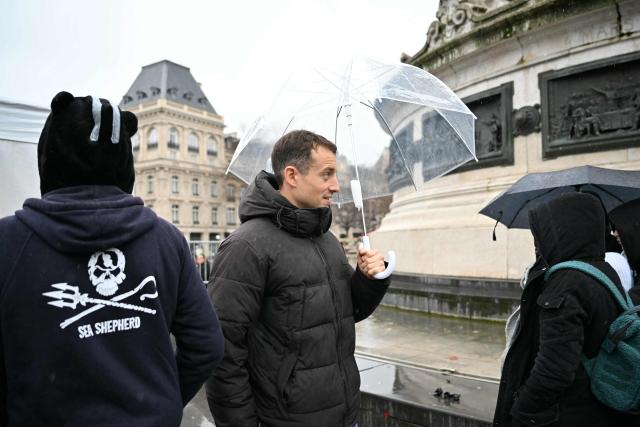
[(391, 260)]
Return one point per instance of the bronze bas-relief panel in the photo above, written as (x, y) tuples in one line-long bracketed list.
[(493, 129), (591, 107)]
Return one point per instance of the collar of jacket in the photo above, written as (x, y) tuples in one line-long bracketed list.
[(263, 199)]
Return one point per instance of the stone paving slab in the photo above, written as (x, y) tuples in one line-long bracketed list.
[(470, 347), (409, 394)]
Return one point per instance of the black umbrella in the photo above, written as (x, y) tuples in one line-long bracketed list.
[(613, 187)]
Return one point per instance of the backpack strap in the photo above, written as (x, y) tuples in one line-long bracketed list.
[(621, 298)]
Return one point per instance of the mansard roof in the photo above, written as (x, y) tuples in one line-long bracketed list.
[(166, 80)]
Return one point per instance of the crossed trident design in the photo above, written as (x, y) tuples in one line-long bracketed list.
[(70, 296)]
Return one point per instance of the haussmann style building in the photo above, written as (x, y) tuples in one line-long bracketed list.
[(181, 153)]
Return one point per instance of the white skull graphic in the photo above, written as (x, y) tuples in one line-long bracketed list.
[(104, 274)]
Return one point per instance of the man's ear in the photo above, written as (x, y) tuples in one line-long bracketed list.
[(289, 175)]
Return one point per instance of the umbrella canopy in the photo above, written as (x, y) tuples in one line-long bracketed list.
[(613, 187), (357, 106)]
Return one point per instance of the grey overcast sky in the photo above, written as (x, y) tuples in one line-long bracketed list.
[(239, 50)]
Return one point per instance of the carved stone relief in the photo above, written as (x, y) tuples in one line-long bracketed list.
[(396, 171), (493, 134), (456, 17), (592, 106), (526, 120)]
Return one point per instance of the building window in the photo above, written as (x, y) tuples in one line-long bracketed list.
[(192, 143), (173, 139), (149, 184), (175, 214), (135, 143), (212, 146), (214, 216), (195, 214), (194, 187), (174, 184), (214, 188), (152, 139), (231, 193), (231, 216)]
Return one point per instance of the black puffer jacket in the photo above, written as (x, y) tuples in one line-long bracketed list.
[(287, 300), (543, 381), (626, 219)]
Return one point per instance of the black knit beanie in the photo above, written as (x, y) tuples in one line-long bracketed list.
[(82, 143)]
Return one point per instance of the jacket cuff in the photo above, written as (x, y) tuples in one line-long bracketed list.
[(378, 282), (541, 418)]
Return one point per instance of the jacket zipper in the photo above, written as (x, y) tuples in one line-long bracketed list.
[(334, 297)]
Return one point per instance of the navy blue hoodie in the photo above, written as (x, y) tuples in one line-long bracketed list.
[(92, 284)]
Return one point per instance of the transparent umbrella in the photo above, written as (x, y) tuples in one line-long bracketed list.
[(367, 107)]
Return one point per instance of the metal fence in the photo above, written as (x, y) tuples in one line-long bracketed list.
[(203, 252)]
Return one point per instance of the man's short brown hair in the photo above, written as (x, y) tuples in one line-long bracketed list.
[(294, 149)]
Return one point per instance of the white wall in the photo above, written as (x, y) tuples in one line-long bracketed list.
[(20, 127), (18, 175)]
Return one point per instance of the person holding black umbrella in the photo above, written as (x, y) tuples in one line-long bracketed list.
[(543, 381)]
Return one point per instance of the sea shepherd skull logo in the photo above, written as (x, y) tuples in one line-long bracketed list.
[(106, 272)]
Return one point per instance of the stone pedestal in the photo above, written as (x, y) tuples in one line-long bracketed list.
[(438, 231)]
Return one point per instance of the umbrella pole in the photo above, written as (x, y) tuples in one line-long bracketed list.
[(356, 189)]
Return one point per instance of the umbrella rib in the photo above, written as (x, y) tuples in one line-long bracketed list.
[(312, 103), (374, 79), (409, 82), (396, 141), (526, 203), (287, 127), (335, 129), (608, 192), (329, 81), (456, 131)]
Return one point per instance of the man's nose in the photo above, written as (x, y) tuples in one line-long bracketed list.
[(334, 187)]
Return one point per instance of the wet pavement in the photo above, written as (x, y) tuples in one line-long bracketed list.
[(470, 347), (196, 413), (414, 395)]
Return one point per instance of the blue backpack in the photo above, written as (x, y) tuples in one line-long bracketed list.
[(615, 371)]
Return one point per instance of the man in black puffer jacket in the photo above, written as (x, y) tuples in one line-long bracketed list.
[(288, 299), (543, 381)]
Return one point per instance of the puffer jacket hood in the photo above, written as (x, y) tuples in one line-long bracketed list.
[(76, 220), (569, 227), (626, 220), (262, 199)]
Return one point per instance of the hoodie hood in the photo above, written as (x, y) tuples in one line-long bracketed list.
[(262, 199), (569, 227), (626, 220), (86, 141), (83, 219)]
